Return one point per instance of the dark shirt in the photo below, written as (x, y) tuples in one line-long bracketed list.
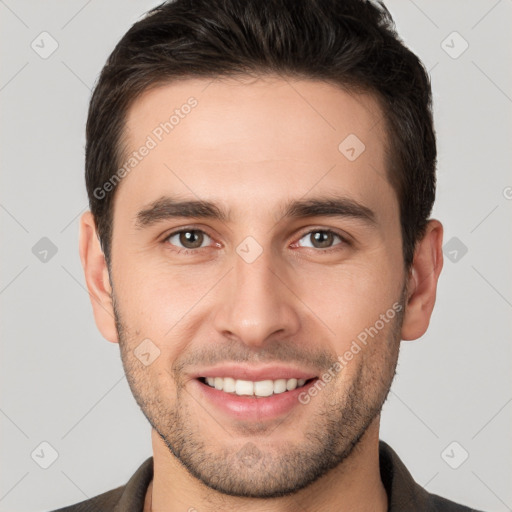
[(404, 494)]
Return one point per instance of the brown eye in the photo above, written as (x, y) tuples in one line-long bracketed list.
[(188, 238), (320, 239)]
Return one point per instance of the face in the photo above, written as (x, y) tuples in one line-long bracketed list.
[(254, 251)]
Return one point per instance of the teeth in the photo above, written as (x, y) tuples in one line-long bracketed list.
[(250, 388), (229, 385), (291, 384), (244, 387), (263, 388), (280, 386)]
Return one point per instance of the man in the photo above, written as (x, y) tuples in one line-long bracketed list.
[(261, 175)]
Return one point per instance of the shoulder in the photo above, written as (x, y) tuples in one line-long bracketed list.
[(126, 498), (439, 504), (404, 494), (105, 502)]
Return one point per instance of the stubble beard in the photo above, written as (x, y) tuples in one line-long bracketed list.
[(246, 466)]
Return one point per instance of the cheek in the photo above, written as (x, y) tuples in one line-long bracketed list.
[(162, 303), (148, 293), (349, 299), (363, 279)]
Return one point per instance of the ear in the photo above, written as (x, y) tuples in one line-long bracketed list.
[(422, 281), (97, 278)]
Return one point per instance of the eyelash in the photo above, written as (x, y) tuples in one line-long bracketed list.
[(344, 240)]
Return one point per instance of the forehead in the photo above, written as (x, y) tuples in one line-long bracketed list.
[(237, 140)]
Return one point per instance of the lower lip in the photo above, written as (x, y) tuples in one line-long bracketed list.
[(251, 408)]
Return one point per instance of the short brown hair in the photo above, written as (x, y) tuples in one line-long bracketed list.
[(352, 43)]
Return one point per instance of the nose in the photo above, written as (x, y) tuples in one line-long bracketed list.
[(257, 303)]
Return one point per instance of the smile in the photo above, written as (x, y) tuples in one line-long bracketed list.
[(262, 388)]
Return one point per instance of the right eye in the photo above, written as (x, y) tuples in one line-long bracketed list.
[(189, 239)]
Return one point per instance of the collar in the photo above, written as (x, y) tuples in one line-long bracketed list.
[(404, 494)]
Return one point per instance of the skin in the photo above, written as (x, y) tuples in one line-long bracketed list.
[(250, 146)]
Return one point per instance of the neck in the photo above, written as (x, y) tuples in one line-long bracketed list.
[(355, 484)]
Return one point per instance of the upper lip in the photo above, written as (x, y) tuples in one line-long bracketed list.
[(254, 373)]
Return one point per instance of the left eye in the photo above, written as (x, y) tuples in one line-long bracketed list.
[(320, 238), (188, 238)]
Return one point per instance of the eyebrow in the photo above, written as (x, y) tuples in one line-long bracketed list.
[(168, 207)]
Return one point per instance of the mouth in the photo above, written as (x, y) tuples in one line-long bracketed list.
[(254, 401), (258, 389)]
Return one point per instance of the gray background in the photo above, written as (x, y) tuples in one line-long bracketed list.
[(63, 384)]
